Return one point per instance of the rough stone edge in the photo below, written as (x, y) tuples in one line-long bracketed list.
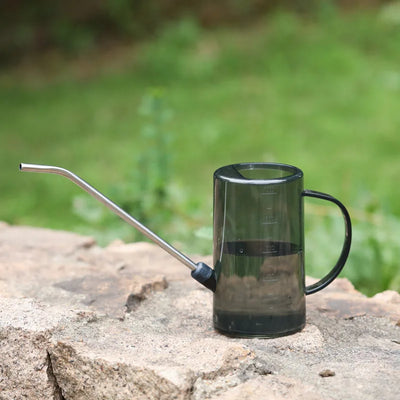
[(120, 380)]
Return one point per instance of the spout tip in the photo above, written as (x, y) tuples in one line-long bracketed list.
[(24, 167), (30, 167)]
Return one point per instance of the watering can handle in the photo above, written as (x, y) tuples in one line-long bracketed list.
[(200, 271), (325, 281)]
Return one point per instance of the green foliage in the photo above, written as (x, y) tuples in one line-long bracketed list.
[(318, 92), (144, 190), (373, 264), (28, 27), (72, 38), (166, 58)]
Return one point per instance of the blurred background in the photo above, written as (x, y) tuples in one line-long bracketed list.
[(146, 98)]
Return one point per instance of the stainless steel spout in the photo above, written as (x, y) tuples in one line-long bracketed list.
[(113, 207)]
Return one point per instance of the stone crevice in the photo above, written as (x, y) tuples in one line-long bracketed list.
[(57, 392)]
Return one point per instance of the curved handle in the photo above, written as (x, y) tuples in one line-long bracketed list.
[(325, 281)]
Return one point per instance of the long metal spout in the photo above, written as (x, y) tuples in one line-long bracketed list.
[(200, 271), (113, 207)]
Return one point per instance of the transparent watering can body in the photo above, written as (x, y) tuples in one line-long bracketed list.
[(258, 277)]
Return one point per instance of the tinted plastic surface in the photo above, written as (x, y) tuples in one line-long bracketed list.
[(259, 250)]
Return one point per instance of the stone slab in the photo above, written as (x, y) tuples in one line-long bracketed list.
[(82, 322)]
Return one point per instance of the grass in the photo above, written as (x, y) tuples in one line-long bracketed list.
[(320, 92)]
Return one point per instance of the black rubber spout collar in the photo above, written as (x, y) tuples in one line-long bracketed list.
[(205, 275)]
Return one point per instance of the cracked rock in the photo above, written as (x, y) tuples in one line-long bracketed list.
[(126, 322), (26, 329)]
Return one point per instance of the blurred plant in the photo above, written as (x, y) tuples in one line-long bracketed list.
[(390, 13), (151, 177), (166, 57), (374, 261), (72, 38), (144, 192), (147, 193)]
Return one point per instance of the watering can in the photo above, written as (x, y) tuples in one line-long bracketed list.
[(258, 277)]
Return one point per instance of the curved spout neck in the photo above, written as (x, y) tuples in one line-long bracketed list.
[(111, 206), (200, 271)]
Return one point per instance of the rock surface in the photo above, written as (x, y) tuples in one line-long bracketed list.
[(127, 322)]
